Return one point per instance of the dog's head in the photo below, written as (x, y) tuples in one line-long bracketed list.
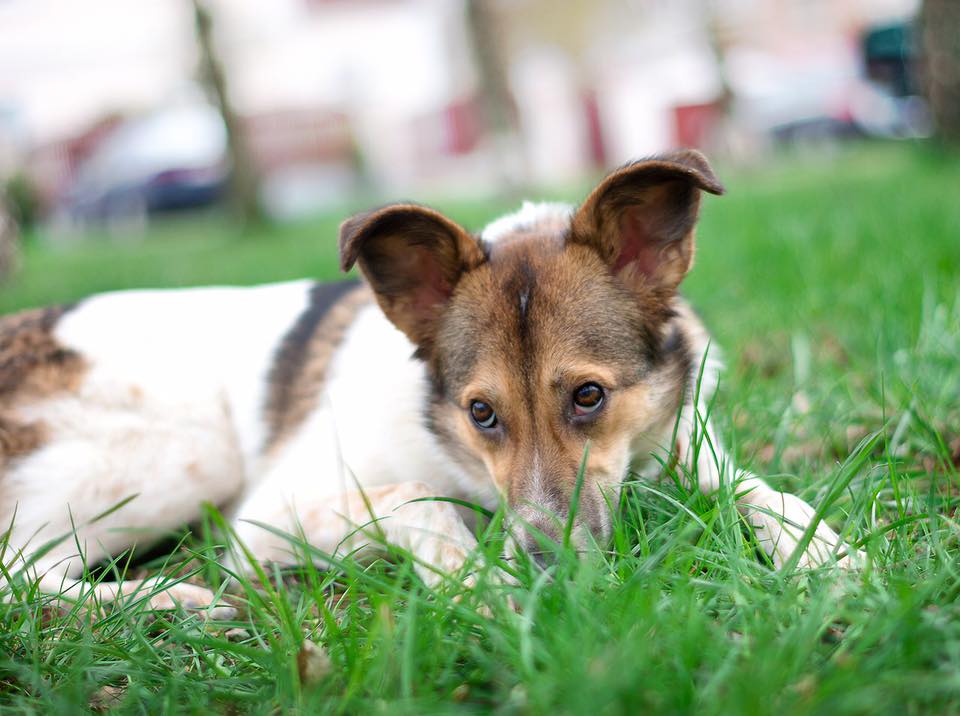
[(547, 331)]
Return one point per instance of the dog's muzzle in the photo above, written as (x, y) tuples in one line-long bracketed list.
[(541, 537)]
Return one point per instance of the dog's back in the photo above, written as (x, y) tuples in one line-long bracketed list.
[(157, 394), (183, 397)]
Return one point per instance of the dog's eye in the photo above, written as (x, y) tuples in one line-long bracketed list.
[(482, 414), (587, 398)]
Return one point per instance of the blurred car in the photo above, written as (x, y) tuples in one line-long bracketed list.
[(171, 159), (830, 91)]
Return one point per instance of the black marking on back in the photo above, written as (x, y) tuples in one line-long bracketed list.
[(288, 362)]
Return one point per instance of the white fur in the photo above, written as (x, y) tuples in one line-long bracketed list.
[(375, 367), (529, 214), (186, 346), (367, 432)]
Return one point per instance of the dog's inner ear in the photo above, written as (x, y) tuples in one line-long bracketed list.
[(413, 258), (641, 218)]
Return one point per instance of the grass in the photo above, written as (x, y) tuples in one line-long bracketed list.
[(832, 284)]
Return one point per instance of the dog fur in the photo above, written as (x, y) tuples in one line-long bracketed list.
[(317, 408)]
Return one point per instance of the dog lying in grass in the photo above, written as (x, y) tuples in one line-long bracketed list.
[(476, 367)]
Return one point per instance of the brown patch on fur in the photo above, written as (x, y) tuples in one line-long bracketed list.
[(297, 375), (17, 439), (33, 365)]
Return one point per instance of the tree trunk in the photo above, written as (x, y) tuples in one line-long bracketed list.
[(243, 180), (9, 241), (499, 111), (940, 47)]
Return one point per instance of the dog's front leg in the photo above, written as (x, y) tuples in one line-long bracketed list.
[(778, 519), (359, 522)]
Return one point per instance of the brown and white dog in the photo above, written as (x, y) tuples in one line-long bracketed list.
[(469, 366)]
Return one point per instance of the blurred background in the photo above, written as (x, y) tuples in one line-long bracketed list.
[(119, 116)]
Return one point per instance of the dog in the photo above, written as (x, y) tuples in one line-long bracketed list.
[(466, 366)]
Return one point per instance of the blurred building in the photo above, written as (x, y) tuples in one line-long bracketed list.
[(337, 96)]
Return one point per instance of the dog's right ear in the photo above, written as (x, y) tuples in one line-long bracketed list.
[(641, 218), (413, 258)]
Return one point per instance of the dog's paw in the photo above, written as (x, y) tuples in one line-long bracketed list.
[(779, 522)]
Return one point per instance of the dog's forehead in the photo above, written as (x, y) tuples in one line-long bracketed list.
[(536, 304)]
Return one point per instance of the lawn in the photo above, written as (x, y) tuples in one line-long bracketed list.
[(833, 285)]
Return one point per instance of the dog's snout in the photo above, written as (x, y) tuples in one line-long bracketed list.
[(539, 538), (541, 532)]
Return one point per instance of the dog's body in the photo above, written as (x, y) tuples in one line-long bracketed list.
[(309, 407)]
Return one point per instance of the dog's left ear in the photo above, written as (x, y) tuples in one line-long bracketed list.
[(640, 219), (413, 258)]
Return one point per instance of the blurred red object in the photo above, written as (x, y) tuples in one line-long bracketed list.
[(694, 123)]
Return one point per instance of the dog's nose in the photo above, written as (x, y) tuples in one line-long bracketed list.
[(540, 541)]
